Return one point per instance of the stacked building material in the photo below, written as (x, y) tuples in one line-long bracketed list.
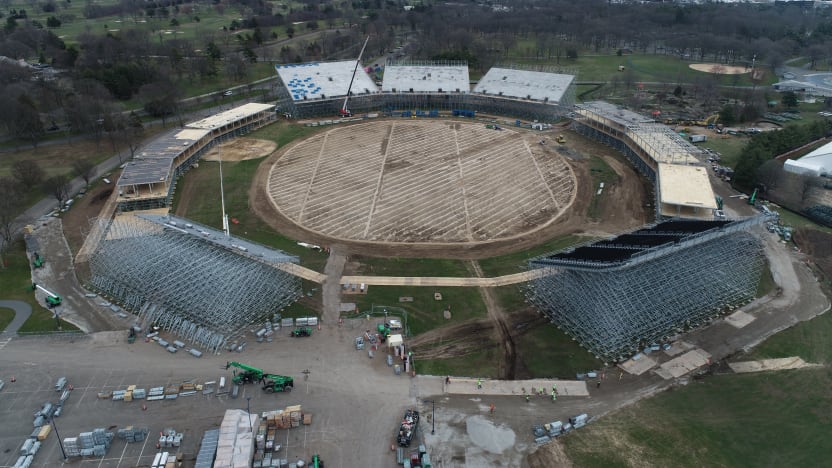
[(139, 393), (71, 447), (207, 449), (235, 444), (132, 434)]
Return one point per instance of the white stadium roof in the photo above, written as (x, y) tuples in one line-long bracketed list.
[(686, 186), (522, 84), (426, 78), (816, 163), (318, 80)]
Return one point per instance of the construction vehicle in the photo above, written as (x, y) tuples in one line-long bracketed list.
[(383, 331), (410, 423), (52, 300), (344, 111), (753, 198), (277, 383), (317, 462), (560, 139), (719, 202), (131, 336), (248, 374), (301, 331), (38, 261)]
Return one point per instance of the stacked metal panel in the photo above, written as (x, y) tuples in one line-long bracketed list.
[(235, 444), (207, 449), (132, 434), (202, 291), (616, 297)]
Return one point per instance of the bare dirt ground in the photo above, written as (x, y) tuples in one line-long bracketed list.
[(622, 208), (241, 149), (719, 68)]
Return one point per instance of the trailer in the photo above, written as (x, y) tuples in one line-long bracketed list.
[(408, 427)]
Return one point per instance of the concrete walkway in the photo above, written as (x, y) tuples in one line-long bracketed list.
[(22, 311), (468, 386), (444, 281)]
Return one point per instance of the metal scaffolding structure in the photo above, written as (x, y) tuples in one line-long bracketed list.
[(619, 295), (190, 279)]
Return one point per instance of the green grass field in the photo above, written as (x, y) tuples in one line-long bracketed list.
[(519, 261), (6, 317), (16, 279), (766, 419), (600, 172), (424, 313), (481, 364), (790, 218), (376, 266)]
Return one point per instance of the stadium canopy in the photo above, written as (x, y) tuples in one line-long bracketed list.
[(427, 78), (322, 80), (817, 163), (523, 84)]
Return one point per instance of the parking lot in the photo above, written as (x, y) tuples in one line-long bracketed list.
[(355, 402)]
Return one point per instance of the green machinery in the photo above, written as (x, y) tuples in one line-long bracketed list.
[(301, 331), (383, 330), (719, 202), (38, 261), (278, 383), (753, 198), (317, 462), (248, 374), (52, 300)]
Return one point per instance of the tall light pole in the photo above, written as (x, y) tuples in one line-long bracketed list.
[(248, 410), (432, 416), (60, 442)]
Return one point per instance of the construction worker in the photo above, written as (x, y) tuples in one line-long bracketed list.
[(541, 393), (491, 408), (554, 395), (479, 384), (527, 398)]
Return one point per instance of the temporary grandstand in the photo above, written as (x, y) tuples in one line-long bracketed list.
[(683, 189), (190, 279), (618, 295), (319, 88), (416, 89), (149, 179), (426, 77)]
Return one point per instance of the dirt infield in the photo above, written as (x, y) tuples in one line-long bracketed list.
[(719, 69), (241, 149), (421, 181), (624, 211)]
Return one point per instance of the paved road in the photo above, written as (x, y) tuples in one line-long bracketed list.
[(22, 311)]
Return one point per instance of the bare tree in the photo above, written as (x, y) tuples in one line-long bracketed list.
[(58, 187), (27, 172), (84, 169), (11, 194)]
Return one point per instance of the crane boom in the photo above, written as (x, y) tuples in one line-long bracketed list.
[(344, 112), (52, 299)]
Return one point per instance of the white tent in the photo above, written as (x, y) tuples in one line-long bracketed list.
[(394, 340), (817, 163)]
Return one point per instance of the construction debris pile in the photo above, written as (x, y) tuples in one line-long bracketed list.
[(408, 427)]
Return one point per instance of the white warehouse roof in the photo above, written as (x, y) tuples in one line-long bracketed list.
[(816, 163), (319, 80), (522, 84), (426, 78)]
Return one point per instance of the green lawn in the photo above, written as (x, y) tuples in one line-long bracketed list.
[(766, 419), (809, 340), (411, 267), (481, 364), (205, 206), (16, 281), (519, 261), (424, 313), (549, 352), (6, 317), (729, 146), (600, 172), (790, 218)]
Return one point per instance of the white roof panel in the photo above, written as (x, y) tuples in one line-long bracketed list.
[(426, 78), (231, 115), (686, 186), (522, 84), (318, 80)]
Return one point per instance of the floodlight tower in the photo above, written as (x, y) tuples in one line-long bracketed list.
[(222, 196)]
